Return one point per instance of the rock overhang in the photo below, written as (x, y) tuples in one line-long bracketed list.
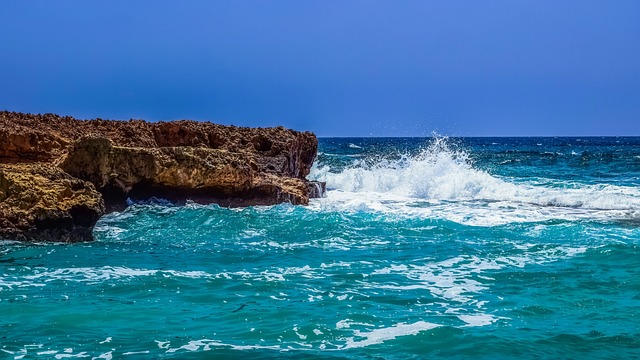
[(114, 160)]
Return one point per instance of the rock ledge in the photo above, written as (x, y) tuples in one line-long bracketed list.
[(58, 175)]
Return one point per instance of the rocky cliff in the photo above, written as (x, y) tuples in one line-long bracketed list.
[(59, 174)]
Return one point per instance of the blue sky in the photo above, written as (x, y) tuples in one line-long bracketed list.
[(338, 68)]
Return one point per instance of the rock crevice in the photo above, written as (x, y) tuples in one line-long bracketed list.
[(58, 175)]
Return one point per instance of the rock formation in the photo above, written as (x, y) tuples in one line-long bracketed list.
[(43, 203), (58, 174)]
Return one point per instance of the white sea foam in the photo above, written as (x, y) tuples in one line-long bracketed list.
[(378, 336), (347, 323), (40, 277), (478, 319), (454, 279), (443, 183), (208, 344), (9, 242), (105, 356), (66, 356), (360, 338), (47, 352), (460, 280)]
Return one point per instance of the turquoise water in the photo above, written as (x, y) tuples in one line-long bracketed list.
[(422, 248)]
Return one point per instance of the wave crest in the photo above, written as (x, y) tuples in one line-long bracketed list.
[(441, 173)]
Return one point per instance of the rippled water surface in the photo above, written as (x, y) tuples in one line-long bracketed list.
[(483, 248)]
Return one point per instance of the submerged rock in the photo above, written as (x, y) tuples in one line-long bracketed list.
[(116, 160)]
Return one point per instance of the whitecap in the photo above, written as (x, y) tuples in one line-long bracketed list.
[(443, 183)]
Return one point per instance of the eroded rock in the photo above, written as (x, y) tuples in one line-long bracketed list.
[(116, 160), (42, 203)]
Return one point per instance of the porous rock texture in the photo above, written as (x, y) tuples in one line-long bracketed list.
[(43, 203), (59, 174)]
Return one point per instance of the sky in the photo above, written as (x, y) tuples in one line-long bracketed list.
[(337, 68)]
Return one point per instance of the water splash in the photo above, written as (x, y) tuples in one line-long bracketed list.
[(441, 181), (441, 172)]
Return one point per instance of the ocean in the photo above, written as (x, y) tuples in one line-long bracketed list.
[(488, 248)]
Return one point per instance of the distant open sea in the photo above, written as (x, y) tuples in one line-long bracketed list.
[(489, 248)]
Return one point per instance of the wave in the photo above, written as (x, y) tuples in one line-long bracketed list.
[(439, 173)]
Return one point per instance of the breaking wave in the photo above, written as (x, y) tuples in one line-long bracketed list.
[(439, 173)]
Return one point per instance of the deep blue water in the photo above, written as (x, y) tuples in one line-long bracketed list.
[(422, 248)]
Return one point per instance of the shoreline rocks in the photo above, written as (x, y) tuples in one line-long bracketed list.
[(43, 203), (58, 175)]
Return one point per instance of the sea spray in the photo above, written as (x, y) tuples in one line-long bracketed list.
[(444, 175)]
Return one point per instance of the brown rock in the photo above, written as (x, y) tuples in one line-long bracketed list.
[(179, 160), (42, 203)]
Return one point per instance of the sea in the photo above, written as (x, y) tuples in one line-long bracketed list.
[(422, 248)]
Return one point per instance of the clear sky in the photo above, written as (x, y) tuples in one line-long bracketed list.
[(338, 68)]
